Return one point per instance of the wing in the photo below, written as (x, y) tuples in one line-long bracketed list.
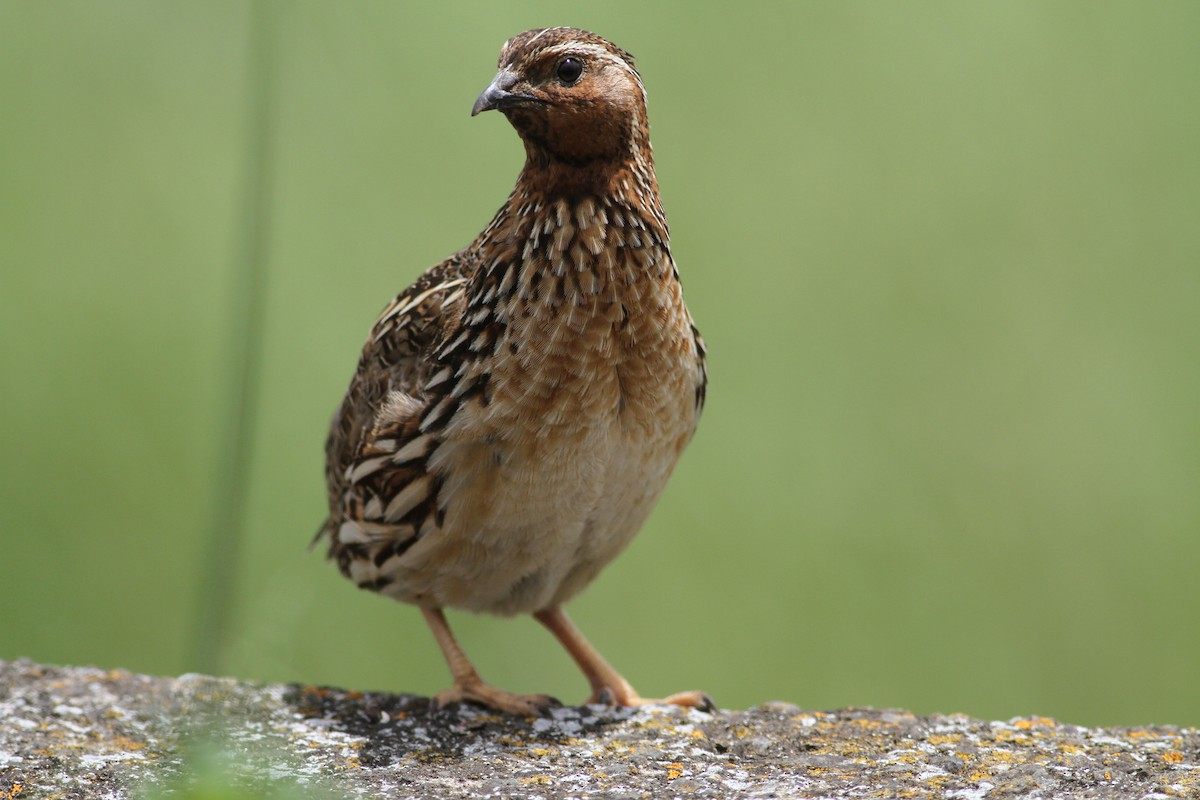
[(374, 455)]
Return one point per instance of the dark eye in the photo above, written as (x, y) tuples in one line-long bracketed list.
[(569, 70)]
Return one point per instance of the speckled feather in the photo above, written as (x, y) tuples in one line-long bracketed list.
[(517, 411)]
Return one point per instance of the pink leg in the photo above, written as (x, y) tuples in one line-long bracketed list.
[(607, 684), (467, 683)]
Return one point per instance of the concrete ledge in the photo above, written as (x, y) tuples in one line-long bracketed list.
[(88, 733)]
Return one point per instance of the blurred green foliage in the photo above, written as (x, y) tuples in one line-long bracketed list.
[(212, 769), (946, 257)]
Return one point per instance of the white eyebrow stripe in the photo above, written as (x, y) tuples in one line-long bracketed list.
[(582, 47)]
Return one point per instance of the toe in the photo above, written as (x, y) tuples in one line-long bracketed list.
[(522, 705), (626, 696), (697, 700), (533, 705)]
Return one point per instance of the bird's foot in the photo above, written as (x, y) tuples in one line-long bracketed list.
[(476, 691), (624, 695)]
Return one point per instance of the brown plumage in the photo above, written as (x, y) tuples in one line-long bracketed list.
[(517, 411)]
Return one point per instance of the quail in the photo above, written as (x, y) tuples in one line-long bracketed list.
[(517, 411)]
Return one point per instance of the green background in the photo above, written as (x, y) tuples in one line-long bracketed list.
[(946, 257)]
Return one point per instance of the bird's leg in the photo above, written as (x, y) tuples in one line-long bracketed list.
[(607, 684), (467, 683)]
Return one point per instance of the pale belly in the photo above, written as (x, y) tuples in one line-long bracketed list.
[(541, 492)]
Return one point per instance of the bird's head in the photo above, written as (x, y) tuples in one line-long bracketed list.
[(573, 96)]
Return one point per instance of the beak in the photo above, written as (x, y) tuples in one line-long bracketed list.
[(499, 94)]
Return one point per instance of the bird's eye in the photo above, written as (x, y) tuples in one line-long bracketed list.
[(569, 70)]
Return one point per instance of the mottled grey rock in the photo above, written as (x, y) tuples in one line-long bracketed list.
[(88, 733)]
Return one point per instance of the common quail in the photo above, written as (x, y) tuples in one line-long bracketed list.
[(517, 411)]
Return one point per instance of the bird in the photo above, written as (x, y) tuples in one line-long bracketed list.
[(517, 411)]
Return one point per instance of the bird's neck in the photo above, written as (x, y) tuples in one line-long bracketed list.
[(628, 183)]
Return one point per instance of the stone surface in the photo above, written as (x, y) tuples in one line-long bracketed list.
[(88, 733)]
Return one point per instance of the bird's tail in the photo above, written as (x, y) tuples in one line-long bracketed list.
[(326, 529)]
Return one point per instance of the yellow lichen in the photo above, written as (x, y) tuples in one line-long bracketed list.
[(1012, 737), (1002, 756), (118, 743), (1033, 722)]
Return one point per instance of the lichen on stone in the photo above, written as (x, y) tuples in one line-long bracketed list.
[(90, 733)]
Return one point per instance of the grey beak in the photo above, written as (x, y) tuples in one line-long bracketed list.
[(499, 94)]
